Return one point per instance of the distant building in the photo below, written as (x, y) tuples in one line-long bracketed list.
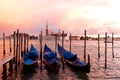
[(83, 38), (74, 37), (50, 35), (33, 37), (47, 32)]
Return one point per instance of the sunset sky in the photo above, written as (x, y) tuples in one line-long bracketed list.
[(72, 16)]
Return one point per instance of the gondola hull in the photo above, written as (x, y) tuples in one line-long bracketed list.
[(50, 60), (73, 61), (28, 63), (51, 67), (31, 57), (85, 68)]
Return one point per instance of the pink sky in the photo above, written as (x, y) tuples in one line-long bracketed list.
[(72, 16)]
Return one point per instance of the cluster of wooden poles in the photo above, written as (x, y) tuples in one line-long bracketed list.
[(106, 47), (20, 47), (63, 35), (21, 43), (56, 35), (85, 36), (106, 36)]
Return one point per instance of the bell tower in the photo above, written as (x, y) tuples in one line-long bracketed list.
[(47, 33)]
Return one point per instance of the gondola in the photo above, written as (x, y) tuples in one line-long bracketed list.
[(50, 59), (31, 57), (73, 61)]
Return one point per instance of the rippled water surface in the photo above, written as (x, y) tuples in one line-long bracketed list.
[(98, 71)]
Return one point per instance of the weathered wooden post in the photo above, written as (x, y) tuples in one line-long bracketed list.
[(24, 43), (41, 51), (27, 42), (10, 43), (14, 35), (4, 73), (106, 50), (55, 43), (4, 52), (63, 50), (98, 45), (16, 62), (70, 41), (10, 65), (17, 48), (19, 41), (88, 63), (56, 35), (85, 46), (112, 45)]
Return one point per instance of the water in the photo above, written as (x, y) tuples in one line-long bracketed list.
[(98, 71)]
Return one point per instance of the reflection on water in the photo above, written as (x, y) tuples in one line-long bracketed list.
[(79, 74), (98, 72), (53, 75), (27, 73)]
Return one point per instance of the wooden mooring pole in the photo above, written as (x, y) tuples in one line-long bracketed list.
[(4, 73), (106, 50), (70, 41), (112, 45), (19, 48), (16, 57), (14, 47), (40, 37), (10, 43), (56, 45), (4, 52), (98, 45), (27, 42), (10, 65), (22, 52), (24, 43), (85, 46), (63, 50)]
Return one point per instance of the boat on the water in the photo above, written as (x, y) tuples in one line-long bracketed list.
[(107, 41), (73, 61), (31, 57), (50, 59)]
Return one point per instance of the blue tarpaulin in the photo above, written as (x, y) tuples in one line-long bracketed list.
[(32, 54)]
